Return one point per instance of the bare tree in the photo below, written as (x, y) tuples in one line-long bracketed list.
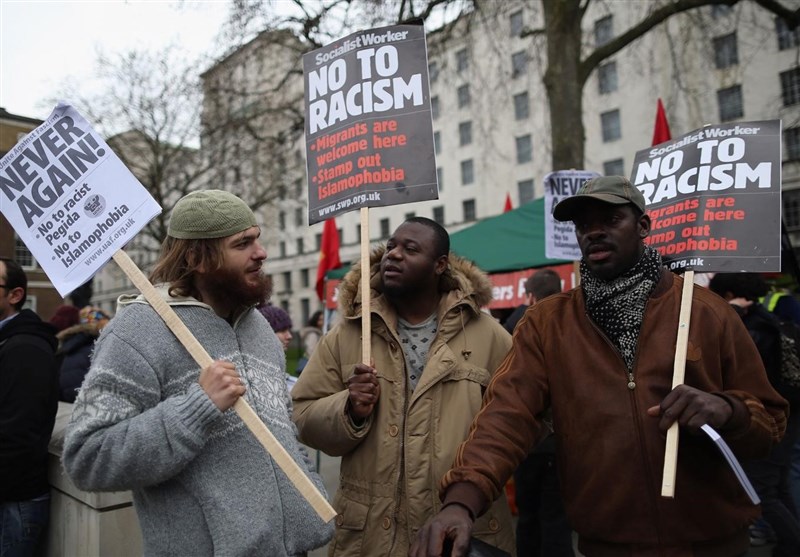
[(153, 108), (570, 61)]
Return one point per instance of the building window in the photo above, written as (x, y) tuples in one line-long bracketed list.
[(515, 23), (519, 63), (524, 149), (384, 224), (463, 96), (790, 86), (467, 172), (462, 60), (726, 53), (305, 310), (521, 106), (433, 72), (525, 191), (318, 241), (287, 281), (22, 254), (465, 133), (438, 214), (435, 107), (469, 210), (358, 233), (730, 103), (610, 122), (282, 220), (440, 177), (791, 208), (300, 246), (787, 38), (409, 215), (282, 248), (791, 140), (340, 234), (298, 217), (614, 168), (437, 142), (720, 10), (603, 30), (304, 278), (607, 78), (298, 188)]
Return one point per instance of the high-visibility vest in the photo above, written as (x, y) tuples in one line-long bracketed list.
[(770, 301)]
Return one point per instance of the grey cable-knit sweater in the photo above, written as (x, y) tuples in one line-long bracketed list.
[(202, 484)]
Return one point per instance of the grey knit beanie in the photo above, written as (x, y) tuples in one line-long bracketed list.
[(206, 214)]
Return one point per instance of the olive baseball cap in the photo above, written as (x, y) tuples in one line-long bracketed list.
[(616, 190), (207, 214)]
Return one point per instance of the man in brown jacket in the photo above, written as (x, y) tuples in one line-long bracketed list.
[(601, 356)]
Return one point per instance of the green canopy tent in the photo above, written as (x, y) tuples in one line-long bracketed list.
[(510, 241)]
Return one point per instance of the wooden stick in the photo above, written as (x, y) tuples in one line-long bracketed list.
[(295, 474), (678, 372), (366, 316)]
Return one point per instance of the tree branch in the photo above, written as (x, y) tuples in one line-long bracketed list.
[(655, 18)]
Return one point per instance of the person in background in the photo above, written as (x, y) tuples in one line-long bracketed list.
[(542, 528), (310, 335), (75, 346), (28, 404), (601, 356), (65, 316), (280, 322), (770, 475), (147, 420), (397, 422)]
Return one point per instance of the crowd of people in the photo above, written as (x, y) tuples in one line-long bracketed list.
[(572, 395)]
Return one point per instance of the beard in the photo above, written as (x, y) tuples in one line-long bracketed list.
[(234, 289)]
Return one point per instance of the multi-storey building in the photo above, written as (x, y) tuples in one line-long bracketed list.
[(42, 298)]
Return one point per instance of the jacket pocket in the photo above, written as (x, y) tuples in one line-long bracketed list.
[(350, 524), (470, 373)]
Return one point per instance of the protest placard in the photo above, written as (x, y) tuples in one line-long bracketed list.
[(561, 242), (369, 133), (714, 197), (70, 198)]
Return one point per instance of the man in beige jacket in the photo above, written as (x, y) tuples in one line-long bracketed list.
[(397, 423)]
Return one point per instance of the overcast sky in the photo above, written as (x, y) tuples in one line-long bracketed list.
[(44, 42)]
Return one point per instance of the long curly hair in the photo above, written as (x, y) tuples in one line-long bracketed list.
[(181, 260)]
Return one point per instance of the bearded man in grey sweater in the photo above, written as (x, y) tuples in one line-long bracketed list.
[(144, 421)]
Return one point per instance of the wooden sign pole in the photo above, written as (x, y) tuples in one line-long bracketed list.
[(245, 412), (678, 372), (366, 316)]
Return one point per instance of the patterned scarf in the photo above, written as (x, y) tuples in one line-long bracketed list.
[(618, 306)]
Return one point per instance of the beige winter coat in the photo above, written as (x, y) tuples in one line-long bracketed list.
[(392, 465)]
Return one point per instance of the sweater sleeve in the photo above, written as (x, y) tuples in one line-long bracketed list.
[(122, 435), (320, 403)]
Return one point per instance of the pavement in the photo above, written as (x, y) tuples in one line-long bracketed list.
[(329, 470)]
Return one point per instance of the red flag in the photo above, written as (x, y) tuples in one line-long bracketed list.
[(328, 253), (508, 205), (661, 130)]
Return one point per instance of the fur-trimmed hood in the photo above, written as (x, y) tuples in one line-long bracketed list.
[(462, 279)]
